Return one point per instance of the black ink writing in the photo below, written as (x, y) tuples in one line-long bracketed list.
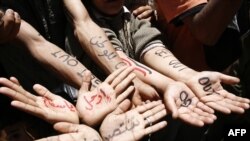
[(108, 55), (163, 53), (126, 126), (98, 41), (176, 64), (184, 99), (207, 86)]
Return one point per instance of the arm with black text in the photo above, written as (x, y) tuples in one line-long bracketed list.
[(52, 57), (91, 37), (206, 84), (178, 98)]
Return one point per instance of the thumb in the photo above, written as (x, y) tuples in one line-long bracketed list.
[(86, 82), (228, 79), (122, 107), (171, 106), (66, 127)]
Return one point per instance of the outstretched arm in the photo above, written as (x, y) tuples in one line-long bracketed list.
[(51, 56), (206, 85), (93, 41)]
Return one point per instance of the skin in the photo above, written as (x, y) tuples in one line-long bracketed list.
[(132, 125), (224, 102), (54, 108), (77, 132), (96, 42), (9, 25)]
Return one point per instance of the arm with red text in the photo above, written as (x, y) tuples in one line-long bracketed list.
[(178, 98), (98, 46), (94, 105), (206, 85), (47, 105)]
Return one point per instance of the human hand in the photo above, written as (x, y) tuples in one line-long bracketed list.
[(9, 25), (132, 125), (144, 12), (207, 87), (143, 92), (47, 106), (183, 104), (94, 105), (73, 132)]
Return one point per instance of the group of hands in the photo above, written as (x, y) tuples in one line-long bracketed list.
[(109, 106)]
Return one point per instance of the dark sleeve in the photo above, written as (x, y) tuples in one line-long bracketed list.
[(144, 35)]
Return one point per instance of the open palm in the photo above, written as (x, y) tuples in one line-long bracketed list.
[(94, 105), (183, 104), (48, 106), (134, 124), (207, 87)]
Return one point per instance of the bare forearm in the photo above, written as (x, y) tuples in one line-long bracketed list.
[(91, 37), (167, 64), (211, 21), (52, 57), (146, 74)]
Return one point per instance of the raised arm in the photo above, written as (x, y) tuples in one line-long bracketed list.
[(208, 24), (52, 57)]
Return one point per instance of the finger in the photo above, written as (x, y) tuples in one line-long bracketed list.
[(16, 96), (30, 109), (145, 14), (113, 75), (15, 80), (124, 83), (205, 108), (148, 106), (140, 10), (9, 20), (237, 103), (122, 107), (119, 78), (153, 111), (171, 106), (228, 79), (44, 92), (205, 117), (235, 98), (66, 127), (86, 81), (229, 104), (157, 116), (218, 107), (17, 88), (192, 119), (125, 94), (156, 127), (16, 25)]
